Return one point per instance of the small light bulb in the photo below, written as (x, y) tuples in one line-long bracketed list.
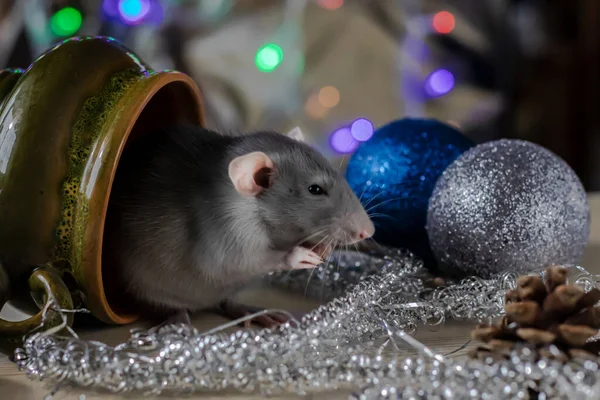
[(268, 57), (342, 141), (439, 83), (362, 129), (329, 96), (66, 21), (443, 22), (133, 11), (331, 4), (313, 107)]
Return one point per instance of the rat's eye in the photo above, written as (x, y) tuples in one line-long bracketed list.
[(316, 190)]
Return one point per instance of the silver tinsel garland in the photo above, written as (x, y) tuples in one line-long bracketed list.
[(338, 345)]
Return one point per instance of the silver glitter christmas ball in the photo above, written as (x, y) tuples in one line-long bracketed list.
[(507, 205)]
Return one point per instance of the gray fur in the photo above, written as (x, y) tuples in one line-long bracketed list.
[(182, 237)]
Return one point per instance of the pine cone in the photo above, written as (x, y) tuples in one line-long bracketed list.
[(553, 316)]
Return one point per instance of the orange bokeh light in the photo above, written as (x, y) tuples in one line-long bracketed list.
[(313, 107), (443, 22), (329, 96)]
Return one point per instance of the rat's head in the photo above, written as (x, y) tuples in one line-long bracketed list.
[(300, 197)]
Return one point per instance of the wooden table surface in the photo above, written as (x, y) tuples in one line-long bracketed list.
[(15, 385)]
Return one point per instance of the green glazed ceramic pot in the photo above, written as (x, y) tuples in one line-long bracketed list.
[(64, 122)]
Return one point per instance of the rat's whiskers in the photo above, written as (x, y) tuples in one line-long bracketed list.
[(308, 281), (374, 197), (382, 192), (330, 244), (356, 247), (377, 215), (345, 248), (288, 272), (317, 233), (318, 243), (393, 186), (388, 200), (342, 161), (366, 186), (376, 243), (339, 255), (313, 270)]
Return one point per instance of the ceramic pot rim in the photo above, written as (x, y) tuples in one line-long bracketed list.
[(93, 281)]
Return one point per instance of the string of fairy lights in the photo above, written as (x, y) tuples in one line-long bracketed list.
[(438, 83), (269, 57)]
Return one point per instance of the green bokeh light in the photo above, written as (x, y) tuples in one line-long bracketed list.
[(269, 57), (66, 21)]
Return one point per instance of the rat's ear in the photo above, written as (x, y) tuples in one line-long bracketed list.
[(250, 173), (296, 134)]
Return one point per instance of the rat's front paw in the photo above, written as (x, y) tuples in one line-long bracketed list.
[(302, 258)]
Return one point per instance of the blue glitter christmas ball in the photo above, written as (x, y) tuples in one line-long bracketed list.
[(394, 174)]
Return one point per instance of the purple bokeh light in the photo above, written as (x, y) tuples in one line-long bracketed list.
[(111, 8), (362, 129), (156, 14), (342, 141), (439, 83)]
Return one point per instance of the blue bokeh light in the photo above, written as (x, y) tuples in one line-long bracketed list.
[(133, 11)]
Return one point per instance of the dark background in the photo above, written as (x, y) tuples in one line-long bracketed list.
[(526, 69)]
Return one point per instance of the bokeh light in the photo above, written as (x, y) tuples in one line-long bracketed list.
[(330, 4), (362, 129), (443, 22), (110, 8), (213, 9), (329, 96), (313, 107), (439, 83), (133, 11), (342, 141), (300, 63), (268, 57), (66, 21)]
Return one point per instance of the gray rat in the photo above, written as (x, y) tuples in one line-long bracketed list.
[(194, 215)]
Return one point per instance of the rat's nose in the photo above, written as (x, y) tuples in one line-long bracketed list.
[(365, 233), (361, 228), (362, 235)]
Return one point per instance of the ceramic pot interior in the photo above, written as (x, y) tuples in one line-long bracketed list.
[(173, 103)]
